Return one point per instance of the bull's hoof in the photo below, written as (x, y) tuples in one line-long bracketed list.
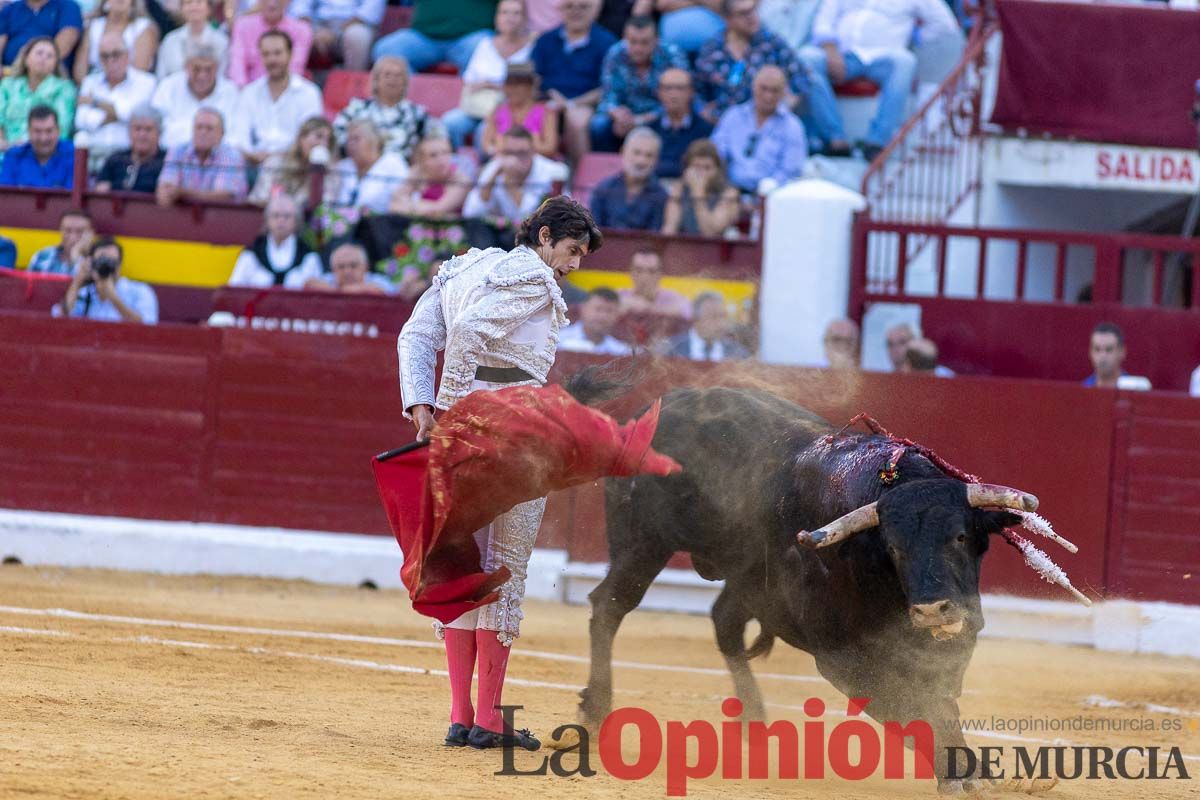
[(970, 787), (591, 712), (1025, 785)]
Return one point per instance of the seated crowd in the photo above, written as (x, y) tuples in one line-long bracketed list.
[(703, 100)]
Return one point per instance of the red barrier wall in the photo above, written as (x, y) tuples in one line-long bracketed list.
[(276, 429)]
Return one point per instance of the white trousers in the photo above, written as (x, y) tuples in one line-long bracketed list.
[(507, 541)]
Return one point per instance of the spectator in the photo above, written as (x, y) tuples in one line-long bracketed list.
[(367, 177), (345, 27), (708, 339), (790, 20), (35, 81), (520, 108), (290, 172), (629, 82), (127, 19), (646, 296), (197, 28), (703, 203), (442, 30), (278, 257), (483, 79), (272, 108), (688, 24), (8, 253), (726, 68), (897, 339), (136, 168), (615, 13), (402, 122), (75, 237), (107, 97), (1107, 352), (245, 62), (760, 138), (204, 170), (842, 343), (179, 96), (437, 186), (677, 124), (515, 182), (46, 160), (23, 20), (633, 198), (98, 291), (593, 332), (569, 59), (921, 356), (852, 39), (350, 273)]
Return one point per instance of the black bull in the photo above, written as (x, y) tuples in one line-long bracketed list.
[(757, 470)]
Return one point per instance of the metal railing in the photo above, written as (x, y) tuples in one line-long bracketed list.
[(932, 165), (1016, 265)]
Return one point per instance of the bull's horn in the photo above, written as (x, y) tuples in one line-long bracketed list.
[(982, 495), (841, 528)]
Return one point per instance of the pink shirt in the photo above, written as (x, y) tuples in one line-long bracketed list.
[(534, 118), (666, 301), (245, 64)]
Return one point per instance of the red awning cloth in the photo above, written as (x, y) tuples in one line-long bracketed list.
[(1099, 72), (491, 451)]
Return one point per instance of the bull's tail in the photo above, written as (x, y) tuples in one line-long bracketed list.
[(600, 383), (761, 646)]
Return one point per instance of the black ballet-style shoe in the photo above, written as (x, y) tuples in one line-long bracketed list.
[(482, 739), (457, 735)]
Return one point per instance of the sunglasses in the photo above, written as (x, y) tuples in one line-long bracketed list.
[(112, 54), (751, 145)]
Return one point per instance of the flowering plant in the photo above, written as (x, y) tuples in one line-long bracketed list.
[(422, 244), (330, 222)]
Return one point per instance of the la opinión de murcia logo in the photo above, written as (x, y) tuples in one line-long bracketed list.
[(697, 750)]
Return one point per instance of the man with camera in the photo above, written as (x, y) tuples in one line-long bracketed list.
[(99, 292)]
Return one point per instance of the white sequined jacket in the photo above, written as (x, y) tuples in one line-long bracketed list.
[(486, 307)]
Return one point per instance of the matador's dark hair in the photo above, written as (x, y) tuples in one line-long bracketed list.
[(566, 219)]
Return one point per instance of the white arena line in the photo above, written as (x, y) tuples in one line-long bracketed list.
[(1100, 701), (64, 613), (377, 666)]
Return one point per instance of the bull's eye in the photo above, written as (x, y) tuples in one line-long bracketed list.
[(962, 538)]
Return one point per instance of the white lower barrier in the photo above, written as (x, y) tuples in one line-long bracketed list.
[(187, 548)]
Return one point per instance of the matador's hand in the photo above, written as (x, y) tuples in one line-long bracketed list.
[(423, 420)]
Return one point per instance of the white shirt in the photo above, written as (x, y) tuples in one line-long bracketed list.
[(170, 52), (1194, 390), (369, 11), (868, 28), (136, 89), (542, 176), (178, 105), (270, 125), (248, 272), (374, 191), (574, 339), (488, 66), (696, 348)]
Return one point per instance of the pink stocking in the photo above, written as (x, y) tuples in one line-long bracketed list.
[(460, 662), (493, 662)]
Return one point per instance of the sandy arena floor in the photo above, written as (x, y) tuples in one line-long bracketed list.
[(158, 687)]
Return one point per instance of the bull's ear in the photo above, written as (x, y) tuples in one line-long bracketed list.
[(996, 521)]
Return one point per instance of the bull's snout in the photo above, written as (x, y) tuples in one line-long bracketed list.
[(942, 618)]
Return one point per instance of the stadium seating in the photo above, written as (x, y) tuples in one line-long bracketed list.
[(342, 86), (859, 87), (395, 18), (438, 93), (593, 168)]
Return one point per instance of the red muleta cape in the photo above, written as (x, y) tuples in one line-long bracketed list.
[(488, 453)]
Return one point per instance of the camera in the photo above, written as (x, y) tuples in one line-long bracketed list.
[(104, 267)]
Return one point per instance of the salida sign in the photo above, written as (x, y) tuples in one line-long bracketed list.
[(1115, 165)]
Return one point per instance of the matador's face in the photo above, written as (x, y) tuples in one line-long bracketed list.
[(562, 256)]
